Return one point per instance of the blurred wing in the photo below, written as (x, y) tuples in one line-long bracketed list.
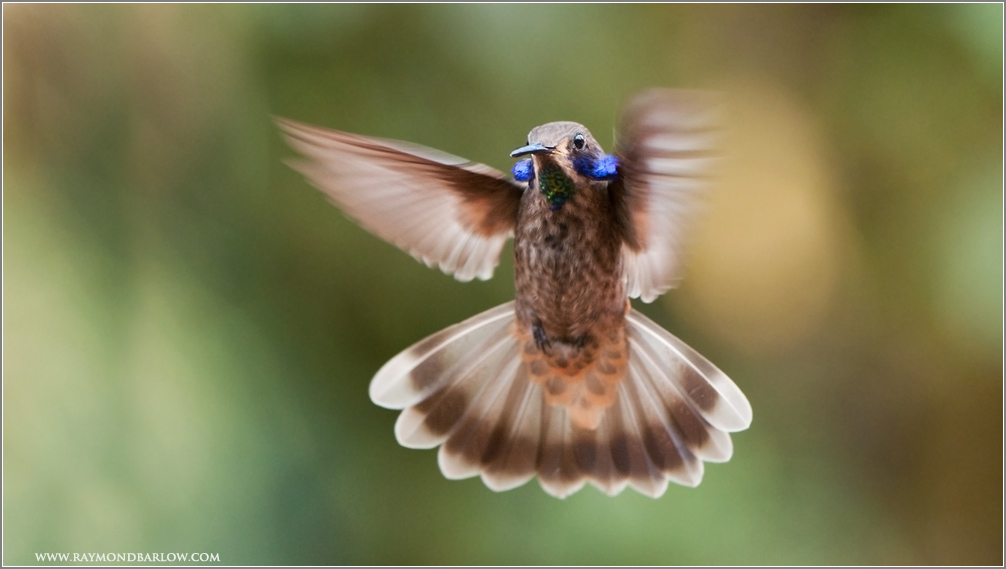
[(665, 151), (442, 209)]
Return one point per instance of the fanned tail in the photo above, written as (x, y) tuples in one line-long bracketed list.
[(469, 389)]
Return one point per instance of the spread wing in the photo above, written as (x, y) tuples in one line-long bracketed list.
[(664, 145), (442, 209)]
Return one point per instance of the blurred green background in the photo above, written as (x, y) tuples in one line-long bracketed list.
[(189, 329)]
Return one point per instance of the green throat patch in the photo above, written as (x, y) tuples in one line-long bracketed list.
[(555, 185)]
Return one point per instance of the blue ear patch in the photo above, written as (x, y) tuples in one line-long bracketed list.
[(604, 168), (523, 170)]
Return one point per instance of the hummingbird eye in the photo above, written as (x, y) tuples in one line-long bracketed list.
[(578, 141)]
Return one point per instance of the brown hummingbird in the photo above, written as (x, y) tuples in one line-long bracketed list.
[(567, 381)]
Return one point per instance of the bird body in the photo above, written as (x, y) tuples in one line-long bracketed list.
[(570, 295), (566, 382)]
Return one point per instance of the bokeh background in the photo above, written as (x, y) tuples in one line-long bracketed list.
[(189, 329)]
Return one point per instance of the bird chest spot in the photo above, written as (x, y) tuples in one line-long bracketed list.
[(557, 236)]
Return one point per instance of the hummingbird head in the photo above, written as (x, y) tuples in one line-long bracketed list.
[(564, 157), (562, 144)]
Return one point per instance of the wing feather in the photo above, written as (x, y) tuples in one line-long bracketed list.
[(443, 210), (665, 146)]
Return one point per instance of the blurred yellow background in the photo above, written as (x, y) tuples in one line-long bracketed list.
[(189, 329)]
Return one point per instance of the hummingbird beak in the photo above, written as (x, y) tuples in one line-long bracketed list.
[(535, 148)]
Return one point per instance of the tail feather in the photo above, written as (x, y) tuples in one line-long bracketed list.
[(477, 437), (515, 462), (470, 389), (604, 475), (706, 388), (558, 472), (665, 443), (454, 386), (644, 476), (416, 373), (686, 425)]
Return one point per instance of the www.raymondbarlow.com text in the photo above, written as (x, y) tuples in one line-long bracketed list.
[(128, 557)]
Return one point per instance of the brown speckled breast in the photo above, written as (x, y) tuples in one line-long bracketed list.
[(567, 263), (568, 272)]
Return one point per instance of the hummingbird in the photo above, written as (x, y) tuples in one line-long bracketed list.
[(567, 382)]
